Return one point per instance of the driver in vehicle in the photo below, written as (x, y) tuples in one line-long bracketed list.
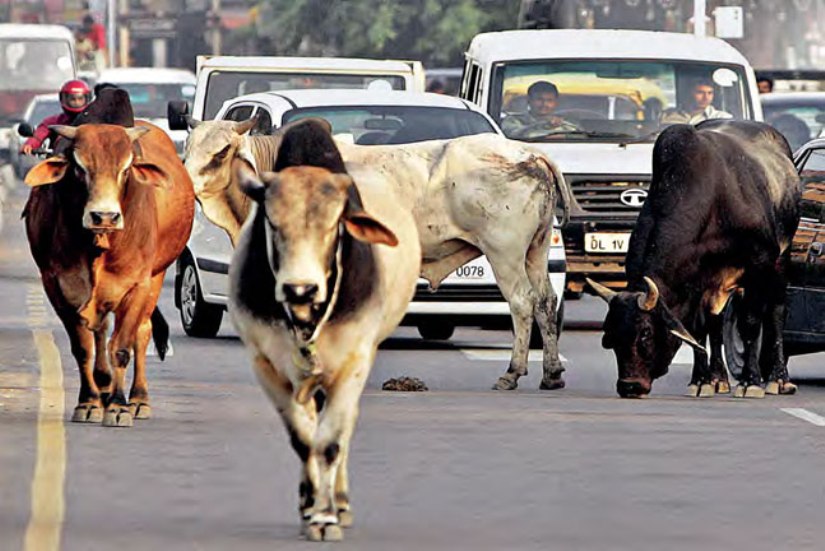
[(75, 95), (540, 118), (701, 108)]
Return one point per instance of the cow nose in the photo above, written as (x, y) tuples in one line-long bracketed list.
[(105, 219), (632, 389), (300, 293)]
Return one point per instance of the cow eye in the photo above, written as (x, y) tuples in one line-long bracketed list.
[(221, 155)]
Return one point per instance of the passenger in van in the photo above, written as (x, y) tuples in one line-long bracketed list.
[(75, 95), (700, 109), (540, 118)]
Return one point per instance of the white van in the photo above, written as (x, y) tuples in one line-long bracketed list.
[(617, 90), (222, 78), (34, 59)]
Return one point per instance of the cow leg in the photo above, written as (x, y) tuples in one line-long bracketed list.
[(129, 316), (773, 363), (544, 310), (719, 374), (102, 373), (748, 324), (300, 421), (89, 407), (335, 428), (518, 292), (139, 394)]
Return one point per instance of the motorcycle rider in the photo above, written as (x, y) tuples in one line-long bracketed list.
[(75, 95)]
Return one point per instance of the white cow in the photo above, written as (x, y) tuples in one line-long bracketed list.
[(323, 272), (474, 195)]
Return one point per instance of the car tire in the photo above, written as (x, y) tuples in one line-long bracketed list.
[(436, 330), (199, 318)]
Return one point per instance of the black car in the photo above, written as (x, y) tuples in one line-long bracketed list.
[(805, 303)]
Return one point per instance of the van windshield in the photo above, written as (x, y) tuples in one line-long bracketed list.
[(41, 65), (611, 100), (149, 100), (226, 85)]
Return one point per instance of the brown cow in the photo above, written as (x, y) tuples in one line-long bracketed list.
[(118, 213)]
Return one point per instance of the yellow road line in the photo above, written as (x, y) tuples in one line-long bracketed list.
[(48, 502)]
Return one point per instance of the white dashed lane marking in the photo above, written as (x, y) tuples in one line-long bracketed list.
[(500, 355), (806, 415)]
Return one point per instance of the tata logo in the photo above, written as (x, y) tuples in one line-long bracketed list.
[(633, 197)]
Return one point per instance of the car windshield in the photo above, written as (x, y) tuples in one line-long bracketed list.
[(223, 86), (373, 125), (43, 109), (612, 100), (149, 100), (34, 64), (799, 121)]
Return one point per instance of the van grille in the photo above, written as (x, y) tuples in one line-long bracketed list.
[(606, 196)]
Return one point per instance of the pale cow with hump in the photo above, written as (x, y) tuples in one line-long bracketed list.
[(474, 195), (323, 272)]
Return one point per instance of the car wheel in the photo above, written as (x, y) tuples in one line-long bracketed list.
[(436, 330), (199, 318)]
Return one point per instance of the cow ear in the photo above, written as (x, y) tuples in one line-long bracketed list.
[(136, 132), (47, 172), (251, 184), (675, 327), (364, 227), (148, 174)]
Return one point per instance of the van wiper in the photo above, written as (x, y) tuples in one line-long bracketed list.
[(584, 133)]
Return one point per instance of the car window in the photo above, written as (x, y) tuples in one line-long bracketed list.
[(612, 99), (798, 123), (814, 165), (149, 101), (239, 113), (43, 109), (373, 125), (264, 125), (225, 85)]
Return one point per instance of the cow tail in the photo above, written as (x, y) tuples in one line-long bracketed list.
[(160, 333), (563, 197)]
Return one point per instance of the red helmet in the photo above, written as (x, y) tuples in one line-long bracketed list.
[(70, 89)]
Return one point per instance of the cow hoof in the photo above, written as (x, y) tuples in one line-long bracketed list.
[(749, 391), (692, 391), (707, 391), (140, 411), (323, 532), (345, 518), (552, 384), (505, 384), (775, 388), (722, 387), (87, 414), (118, 417)]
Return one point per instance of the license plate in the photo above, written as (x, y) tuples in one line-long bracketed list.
[(472, 271), (606, 242)]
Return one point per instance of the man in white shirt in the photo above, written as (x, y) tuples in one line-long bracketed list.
[(702, 109)]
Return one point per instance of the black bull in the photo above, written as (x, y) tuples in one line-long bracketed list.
[(719, 218)]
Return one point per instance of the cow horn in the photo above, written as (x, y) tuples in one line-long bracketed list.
[(242, 127), (648, 301), (191, 122), (136, 132), (605, 293), (68, 132)]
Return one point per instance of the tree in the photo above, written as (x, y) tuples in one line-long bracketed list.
[(433, 31)]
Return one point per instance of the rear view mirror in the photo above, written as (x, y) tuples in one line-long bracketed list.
[(382, 124), (176, 112), (25, 129)]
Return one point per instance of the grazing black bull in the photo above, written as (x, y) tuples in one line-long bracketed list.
[(721, 211)]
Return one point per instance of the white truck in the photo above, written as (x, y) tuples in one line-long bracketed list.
[(222, 78), (615, 90)]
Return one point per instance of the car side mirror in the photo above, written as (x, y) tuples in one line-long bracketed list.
[(176, 112), (25, 129)]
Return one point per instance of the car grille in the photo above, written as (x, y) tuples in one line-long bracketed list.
[(606, 196), (459, 293)]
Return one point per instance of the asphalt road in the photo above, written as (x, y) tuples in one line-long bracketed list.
[(457, 467)]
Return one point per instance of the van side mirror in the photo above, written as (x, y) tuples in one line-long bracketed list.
[(25, 129), (176, 112)]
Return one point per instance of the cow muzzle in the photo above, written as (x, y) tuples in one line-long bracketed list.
[(633, 388), (103, 221)]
